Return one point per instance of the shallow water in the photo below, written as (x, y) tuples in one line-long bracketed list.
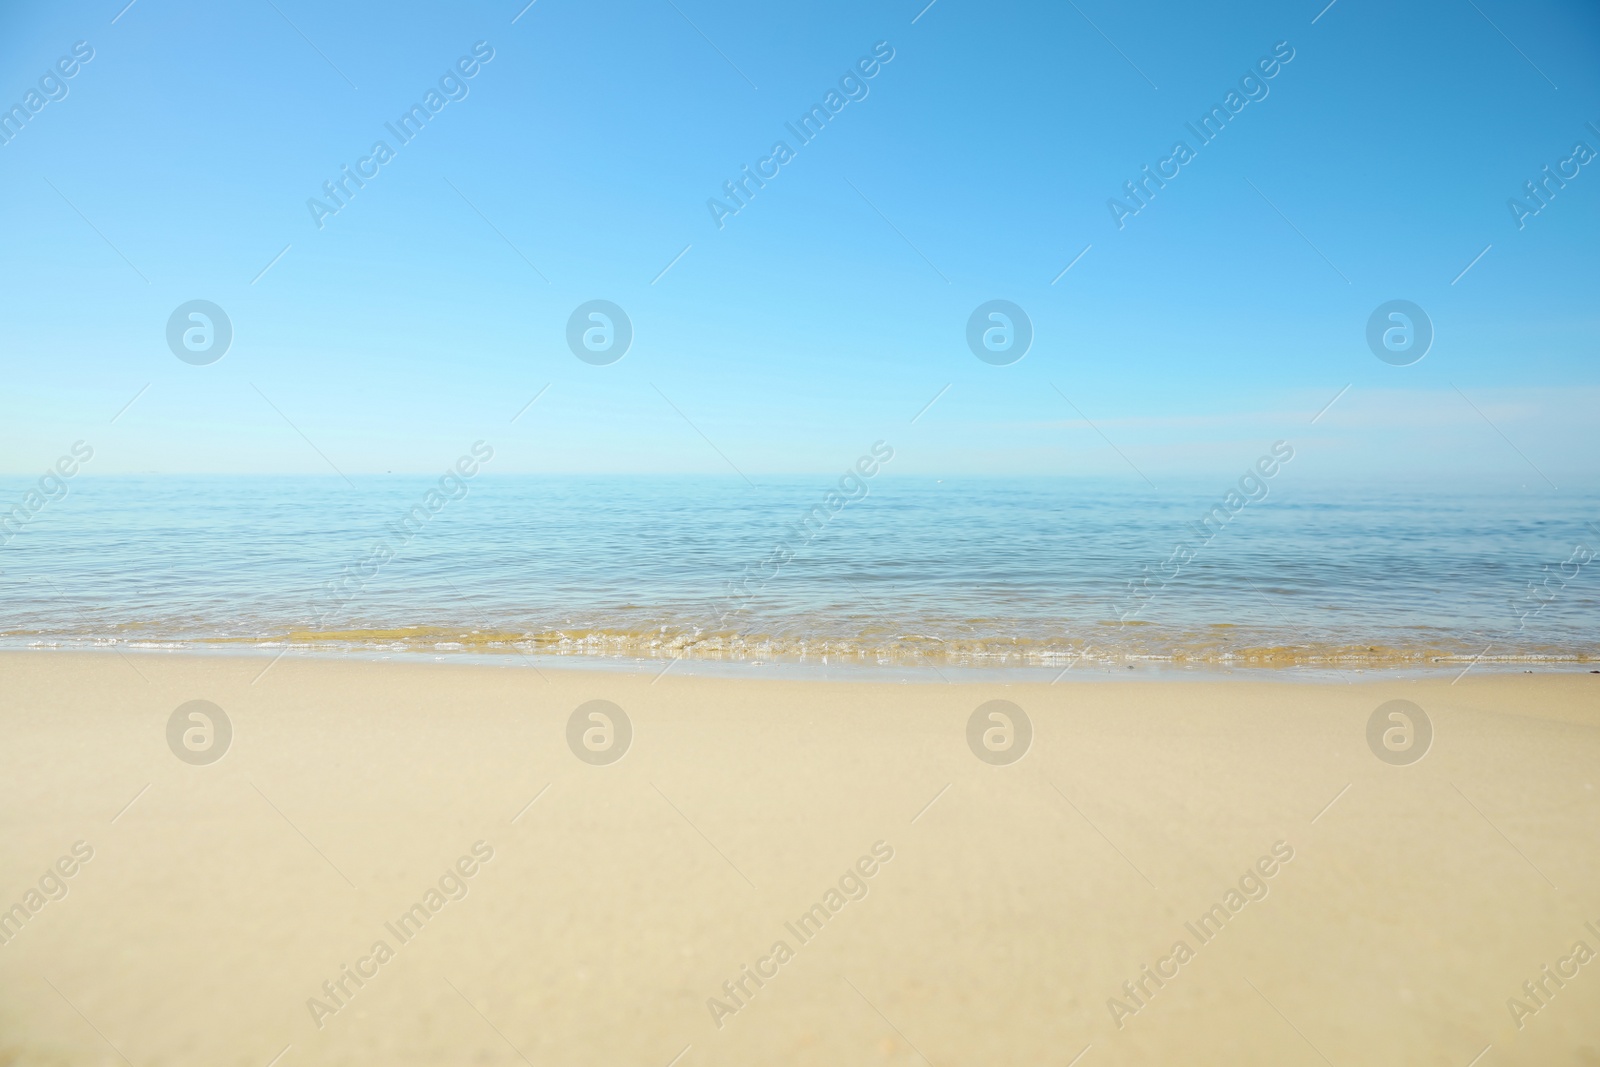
[(976, 572)]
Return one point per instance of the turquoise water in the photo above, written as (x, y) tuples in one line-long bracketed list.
[(984, 572)]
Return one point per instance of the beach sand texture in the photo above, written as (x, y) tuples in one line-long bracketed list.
[(985, 913)]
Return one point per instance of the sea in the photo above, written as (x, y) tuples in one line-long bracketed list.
[(1034, 576)]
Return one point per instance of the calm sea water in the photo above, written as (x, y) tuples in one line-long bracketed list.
[(987, 572)]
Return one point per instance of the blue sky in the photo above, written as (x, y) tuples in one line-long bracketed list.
[(829, 311)]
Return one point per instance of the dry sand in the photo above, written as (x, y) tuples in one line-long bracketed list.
[(1013, 909)]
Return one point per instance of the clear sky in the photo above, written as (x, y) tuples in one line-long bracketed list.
[(975, 164)]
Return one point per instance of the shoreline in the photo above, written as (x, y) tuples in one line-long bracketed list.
[(851, 669)]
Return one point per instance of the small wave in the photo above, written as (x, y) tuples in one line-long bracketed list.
[(1215, 646)]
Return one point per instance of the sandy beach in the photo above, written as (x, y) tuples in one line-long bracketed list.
[(865, 535), (408, 862)]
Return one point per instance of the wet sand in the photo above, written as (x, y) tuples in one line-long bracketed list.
[(795, 872)]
